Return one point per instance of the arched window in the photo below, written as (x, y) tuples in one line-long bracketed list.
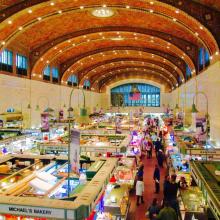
[(21, 64), (207, 58), (135, 94), (72, 80), (55, 74), (6, 60), (201, 58), (86, 84), (188, 72), (46, 73), (204, 58)]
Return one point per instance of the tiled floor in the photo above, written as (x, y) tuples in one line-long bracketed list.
[(138, 212)]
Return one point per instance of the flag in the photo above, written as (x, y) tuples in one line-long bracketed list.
[(135, 94)]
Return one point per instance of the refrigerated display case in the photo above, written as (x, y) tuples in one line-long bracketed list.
[(116, 201), (126, 172), (191, 201)]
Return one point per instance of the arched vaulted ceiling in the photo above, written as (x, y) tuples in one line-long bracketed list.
[(142, 38)]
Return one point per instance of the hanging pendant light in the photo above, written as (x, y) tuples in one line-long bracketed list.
[(37, 108), (194, 109), (177, 106), (29, 106), (83, 117), (48, 109)]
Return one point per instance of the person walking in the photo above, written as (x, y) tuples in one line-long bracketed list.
[(166, 187), (153, 210), (149, 147), (140, 190), (140, 172), (156, 178), (160, 158), (167, 213), (172, 190), (158, 146)]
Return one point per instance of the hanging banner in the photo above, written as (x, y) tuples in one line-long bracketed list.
[(45, 127), (201, 129), (118, 125), (135, 93), (75, 150)]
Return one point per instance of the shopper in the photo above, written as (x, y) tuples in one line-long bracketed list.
[(158, 146), (140, 172), (182, 183), (172, 188), (154, 137), (166, 187), (149, 147), (156, 178), (160, 158), (153, 210), (172, 194), (140, 190), (167, 213)]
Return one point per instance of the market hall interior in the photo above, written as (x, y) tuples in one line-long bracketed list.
[(105, 67)]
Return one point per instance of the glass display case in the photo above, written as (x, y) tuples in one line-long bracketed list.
[(116, 201), (191, 200), (180, 162), (126, 172)]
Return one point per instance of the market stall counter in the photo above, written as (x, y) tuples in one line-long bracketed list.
[(51, 207), (207, 176), (125, 173), (116, 201), (192, 201)]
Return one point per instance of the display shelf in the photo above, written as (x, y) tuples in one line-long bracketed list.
[(191, 200), (205, 177), (116, 201)]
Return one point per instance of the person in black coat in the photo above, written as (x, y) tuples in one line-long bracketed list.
[(160, 158), (166, 187), (172, 190), (157, 145), (156, 178), (140, 172)]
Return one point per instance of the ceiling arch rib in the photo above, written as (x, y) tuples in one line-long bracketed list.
[(59, 53), (95, 75), (80, 66), (151, 59), (144, 69), (134, 75), (71, 41), (158, 10), (133, 60)]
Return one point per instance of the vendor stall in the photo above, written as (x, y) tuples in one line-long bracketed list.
[(29, 202), (192, 201), (126, 172), (206, 175), (12, 119)]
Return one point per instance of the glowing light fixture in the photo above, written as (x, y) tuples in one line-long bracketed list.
[(117, 38), (103, 12)]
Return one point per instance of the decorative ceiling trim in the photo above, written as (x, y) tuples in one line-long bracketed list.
[(130, 69), (137, 75), (69, 63)]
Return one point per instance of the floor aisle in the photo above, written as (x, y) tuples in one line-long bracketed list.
[(138, 212)]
